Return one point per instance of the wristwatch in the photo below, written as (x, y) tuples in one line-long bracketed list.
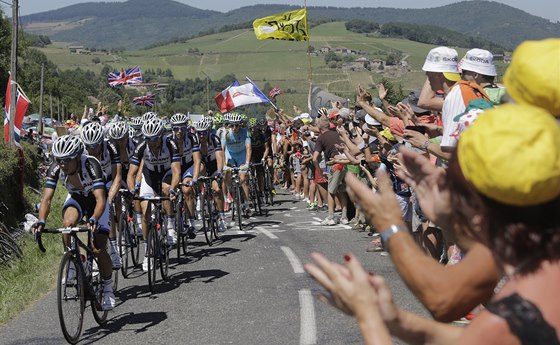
[(389, 232), (426, 144)]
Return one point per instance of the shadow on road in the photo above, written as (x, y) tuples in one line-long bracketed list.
[(245, 237), (252, 225), (128, 322)]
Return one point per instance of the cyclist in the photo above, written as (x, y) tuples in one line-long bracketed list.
[(135, 133), (82, 176), (236, 143), (260, 149), (189, 150), (157, 154), (109, 157), (213, 160)]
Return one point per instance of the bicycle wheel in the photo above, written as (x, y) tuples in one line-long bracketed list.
[(206, 219), (134, 241), (152, 257), (185, 243), (164, 251), (214, 215), (179, 227), (70, 298), (269, 187), (126, 247), (96, 297), (237, 198)]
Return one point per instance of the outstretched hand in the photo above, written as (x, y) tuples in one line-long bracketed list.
[(428, 181)]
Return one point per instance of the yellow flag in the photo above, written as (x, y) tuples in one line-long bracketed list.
[(291, 26)]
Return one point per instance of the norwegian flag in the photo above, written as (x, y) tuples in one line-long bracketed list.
[(147, 100), (22, 102), (127, 77), (275, 91)]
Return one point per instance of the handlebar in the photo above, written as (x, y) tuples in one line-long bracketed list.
[(65, 231), (151, 198)]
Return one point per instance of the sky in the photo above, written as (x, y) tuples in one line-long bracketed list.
[(549, 9)]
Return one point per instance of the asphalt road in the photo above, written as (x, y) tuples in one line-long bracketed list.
[(248, 289)]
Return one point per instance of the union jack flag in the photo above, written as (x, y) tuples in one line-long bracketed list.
[(147, 100), (275, 91), (127, 77)]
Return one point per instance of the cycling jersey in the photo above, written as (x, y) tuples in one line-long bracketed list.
[(234, 143), (190, 145), (90, 175), (109, 156), (208, 152), (156, 163)]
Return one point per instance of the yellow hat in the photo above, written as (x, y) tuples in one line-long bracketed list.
[(533, 76), (452, 76), (512, 154), (386, 133)]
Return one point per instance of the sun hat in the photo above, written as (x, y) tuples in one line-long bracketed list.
[(533, 77), (371, 121), (441, 59), (511, 154), (480, 61)]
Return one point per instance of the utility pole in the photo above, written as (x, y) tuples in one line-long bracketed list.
[(58, 109), (13, 76), (41, 102), (51, 106)]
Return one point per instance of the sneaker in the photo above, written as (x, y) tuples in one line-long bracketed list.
[(328, 221), (273, 192), (248, 212), (306, 200), (145, 264), (384, 253), (354, 221), (108, 302), (116, 260), (312, 207), (191, 232), (322, 208), (344, 220), (171, 237)]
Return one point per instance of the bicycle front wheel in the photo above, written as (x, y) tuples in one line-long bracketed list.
[(164, 251), (180, 228), (206, 220), (151, 252), (238, 206), (70, 297)]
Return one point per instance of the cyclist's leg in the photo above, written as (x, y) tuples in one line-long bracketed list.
[(168, 208), (71, 215)]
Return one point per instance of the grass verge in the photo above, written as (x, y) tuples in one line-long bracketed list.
[(35, 274)]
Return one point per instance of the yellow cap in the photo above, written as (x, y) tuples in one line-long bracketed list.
[(533, 76), (511, 154), (452, 76), (386, 133)]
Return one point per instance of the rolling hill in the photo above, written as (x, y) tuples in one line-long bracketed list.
[(141, 23)]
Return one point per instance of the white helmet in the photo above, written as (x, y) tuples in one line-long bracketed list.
[(118, 131), (67, 146), (137, 122), (152, 128), (235, 118), (204, 124), (179, 119), (149, 115), (92, 133)]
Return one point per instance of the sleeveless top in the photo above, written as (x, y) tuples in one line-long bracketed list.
[(156, 163), (525, 320), (90, 176)]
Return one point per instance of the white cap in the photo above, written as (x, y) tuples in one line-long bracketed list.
[(304, 116), (371, 121), (479, 61), (441, 59)]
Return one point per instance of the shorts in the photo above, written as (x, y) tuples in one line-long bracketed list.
[(319, 177), (151, 183), (336, 181), (86, 206), (211, 168), (235, 159)]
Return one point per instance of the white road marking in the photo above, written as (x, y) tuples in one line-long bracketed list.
[(308, 329), (294, 261), (267, 233)]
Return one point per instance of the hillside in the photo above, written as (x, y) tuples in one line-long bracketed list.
[(141, 23)]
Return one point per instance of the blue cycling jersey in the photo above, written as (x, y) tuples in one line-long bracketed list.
[(235, 143)]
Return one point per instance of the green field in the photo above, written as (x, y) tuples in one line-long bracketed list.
[(281, 63)]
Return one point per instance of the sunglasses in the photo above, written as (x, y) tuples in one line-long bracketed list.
[(236, 125), (152, 139), (179, 128), (92, 146), (64, 161)]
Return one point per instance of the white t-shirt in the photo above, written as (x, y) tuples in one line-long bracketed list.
[(453, 105)]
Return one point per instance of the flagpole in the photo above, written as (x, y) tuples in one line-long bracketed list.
[(13, 77), (309, 72)]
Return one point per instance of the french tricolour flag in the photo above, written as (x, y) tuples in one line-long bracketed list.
[(237, 95)]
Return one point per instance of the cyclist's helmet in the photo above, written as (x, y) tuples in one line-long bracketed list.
[(118, 131), (152, 128), (252, 122), (227, 118), (92, 133), (235, 118), (137, 122), (133, 132), (323, 112), (149, 115), (179, 119), (243, 118), (204, 124), (67, 146)]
